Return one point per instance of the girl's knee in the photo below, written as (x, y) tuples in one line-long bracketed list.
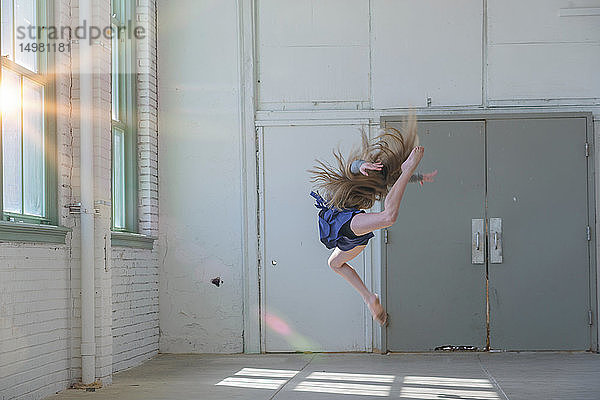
[(334, 262)]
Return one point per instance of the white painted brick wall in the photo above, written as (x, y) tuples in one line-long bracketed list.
[(135, 274), (40, 300), (34, 319), (147, 113), (135, 306), (200, 175)]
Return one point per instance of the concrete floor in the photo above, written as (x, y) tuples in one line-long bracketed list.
[(514, 376)]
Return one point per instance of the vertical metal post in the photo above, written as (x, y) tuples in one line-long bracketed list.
[(86, 129)]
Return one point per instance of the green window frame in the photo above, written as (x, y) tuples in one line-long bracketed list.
[(124, 132), (28, 173)]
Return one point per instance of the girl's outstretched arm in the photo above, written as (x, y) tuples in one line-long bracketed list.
[(362, 167)]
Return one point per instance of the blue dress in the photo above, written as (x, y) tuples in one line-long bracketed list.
[(331, 221)]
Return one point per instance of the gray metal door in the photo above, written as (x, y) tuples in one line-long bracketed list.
[(435, 295), (532, 174), (537, 186)]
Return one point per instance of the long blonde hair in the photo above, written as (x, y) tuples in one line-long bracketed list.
[(343, 189)]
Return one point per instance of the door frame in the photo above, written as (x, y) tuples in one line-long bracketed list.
[(594, 284)]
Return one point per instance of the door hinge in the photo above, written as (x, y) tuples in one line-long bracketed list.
[(590, 317), (588, 233), (587, 149), (385, 236)]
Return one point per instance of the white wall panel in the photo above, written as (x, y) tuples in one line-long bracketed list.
[(200, 198), (313, 22), (517, 21), (535, 53), (312, 51), (309, 74), (430, 48), (551, 71)]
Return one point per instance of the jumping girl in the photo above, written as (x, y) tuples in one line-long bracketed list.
[(378, 168)]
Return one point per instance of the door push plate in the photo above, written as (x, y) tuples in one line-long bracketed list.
[(495, 240), (477, 242)]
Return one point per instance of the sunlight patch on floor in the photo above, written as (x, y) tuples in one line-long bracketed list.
[(336, 376), (439, 381), (435, 388), (344, 388), (254, 383), (273, 373), (412, 387), (249, 380)]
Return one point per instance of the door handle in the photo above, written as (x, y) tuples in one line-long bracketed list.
[(477, 250), (496, 236)]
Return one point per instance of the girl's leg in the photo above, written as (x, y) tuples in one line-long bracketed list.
[(338, 262), (364, 223)]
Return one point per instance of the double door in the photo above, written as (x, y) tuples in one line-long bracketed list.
[(495, 254)]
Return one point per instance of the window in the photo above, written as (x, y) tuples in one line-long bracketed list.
[(27, 122), (124, 140)]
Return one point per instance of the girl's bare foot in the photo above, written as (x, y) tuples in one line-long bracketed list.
[(377, 310), (413, 160)]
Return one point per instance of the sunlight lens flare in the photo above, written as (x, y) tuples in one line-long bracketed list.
[(10, 92), (277, 324), (297, 341)]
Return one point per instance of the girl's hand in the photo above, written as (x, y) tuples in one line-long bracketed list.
[(370, 167), (429, 177)]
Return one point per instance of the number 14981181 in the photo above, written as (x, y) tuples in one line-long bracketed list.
[(45, 47)]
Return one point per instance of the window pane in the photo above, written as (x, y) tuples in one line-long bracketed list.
[(119, 178), (10, 96), (6, 9), (25, 16), (115, 75), (114, 7), (117, 7), (33, 148)]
